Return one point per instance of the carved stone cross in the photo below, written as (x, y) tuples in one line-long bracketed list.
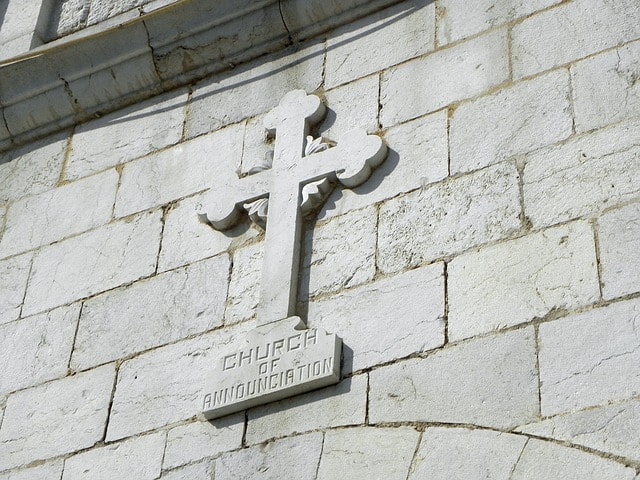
[(282, 357)]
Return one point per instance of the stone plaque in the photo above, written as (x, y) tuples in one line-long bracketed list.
[(281, 357), (278, 360)]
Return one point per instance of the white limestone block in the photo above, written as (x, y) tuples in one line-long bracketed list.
[(19, 18), (550, 461), (16, 46), (340, 254), (177, 172), (257, 146), (583, 176), (330, 407), (613, 429), (458, 19), (619, 240), (139, 458), (432, 82), (408, 308), (58, 213), (349, 107), (126, 134), (56, 418), (490, 382), (517, 281), (14, 273), (465, 453), (69, 16), (195, 441), (572, 31), (201, 471), (46, 471), (357, 453), (186, 240), (165, 385), (32, 169), (240, 93), (605, 87), (244, 287), (93, 262), (590, 358), (380, 40), (36, 349), (101, 11), (295, 457), (164, 308), (418, 156), (448, 217), (512, 121)]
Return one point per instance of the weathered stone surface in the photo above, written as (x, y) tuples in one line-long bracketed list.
[(471, 454), (547, 460), (448, 217), (32, 169), (36, 349), (519, 280), (605, 87), (165, 385), (612, 429), (164, 308), (351, 106), (340, 254), (244, 286), (195, 441), (138, 458), (178, 171), (590, 358), (432, 82), (357, 453), (56, 418), (19, 18), (258, 145), (275, 361), (100, 11), (583, 176), (47, 471), (240, 94), (93, 262), (69, 16), (364, 47), (335, 406), (127, 134), (14, 273), (495, 384), (509, 122), (418, 156), (202, 471), (458, 19), (572, 31), (408, 308), (186, 240), (619, 239), (295, 457), (59, 213)]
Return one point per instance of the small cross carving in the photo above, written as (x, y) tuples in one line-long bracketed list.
[(280, 357)]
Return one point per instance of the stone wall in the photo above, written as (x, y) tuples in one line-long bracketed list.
[(485, 281)]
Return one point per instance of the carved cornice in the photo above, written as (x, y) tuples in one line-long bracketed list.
[(140, 54)]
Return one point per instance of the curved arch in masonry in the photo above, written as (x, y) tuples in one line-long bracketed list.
[(419, 451)]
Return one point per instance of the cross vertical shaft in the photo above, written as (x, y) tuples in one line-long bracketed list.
[(279, 286)]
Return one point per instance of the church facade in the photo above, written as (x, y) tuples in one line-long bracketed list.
[(471, 258)]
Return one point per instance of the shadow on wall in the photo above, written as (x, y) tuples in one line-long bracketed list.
[(225, 79), (3, 10)]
